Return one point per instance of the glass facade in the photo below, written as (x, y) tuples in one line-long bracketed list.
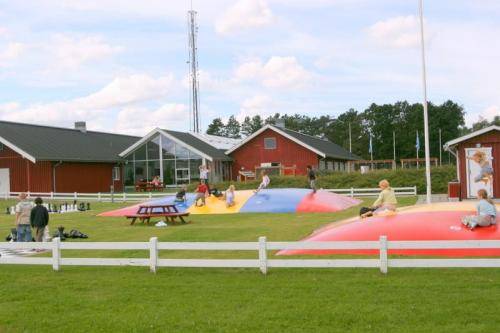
[(162, 157)]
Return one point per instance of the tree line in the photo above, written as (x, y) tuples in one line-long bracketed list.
[(383, 123)]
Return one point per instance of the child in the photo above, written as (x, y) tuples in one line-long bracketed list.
[(486, 212), (181, 195), (201, 193), (230, 196), (486, 173), (39, 219), (265, 181), (386, 201), (311, 176)]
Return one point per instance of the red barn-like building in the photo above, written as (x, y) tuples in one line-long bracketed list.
[(478, 161), (284, 151), (53, 159)]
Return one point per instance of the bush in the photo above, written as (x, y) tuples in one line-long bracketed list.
[(440, 176)]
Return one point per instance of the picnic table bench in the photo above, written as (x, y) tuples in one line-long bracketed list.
[(146, 212)]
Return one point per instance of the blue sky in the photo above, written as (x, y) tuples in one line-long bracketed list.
[(121, 65)]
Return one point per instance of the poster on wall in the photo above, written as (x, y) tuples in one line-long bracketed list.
[(479, 162)]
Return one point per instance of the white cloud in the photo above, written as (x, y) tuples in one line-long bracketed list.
[(3, 31), (397, 32), (71, 52), (257, 105), (122, 91), (244, 15), (277, 72), (11, 53), (167, 116)]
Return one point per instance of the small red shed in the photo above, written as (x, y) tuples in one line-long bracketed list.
[(287, 152), (478, 161)]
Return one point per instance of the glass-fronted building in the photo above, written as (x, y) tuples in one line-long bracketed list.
[(175, 157)]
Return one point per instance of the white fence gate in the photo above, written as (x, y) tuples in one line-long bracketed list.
[(263, 262)]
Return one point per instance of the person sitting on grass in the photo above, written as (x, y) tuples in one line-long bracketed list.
[(39, 219), (265, 181), (386, 201), (201, 194), (229, 196), (181, 195), (486, 212)]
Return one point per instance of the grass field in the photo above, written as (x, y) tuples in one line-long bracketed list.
[(130, 299)]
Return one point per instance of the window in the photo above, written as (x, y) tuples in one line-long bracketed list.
[(322, 165), (116, 173), (269, 143)]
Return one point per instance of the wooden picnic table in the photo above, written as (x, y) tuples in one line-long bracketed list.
[(148, 187), (146, 212)]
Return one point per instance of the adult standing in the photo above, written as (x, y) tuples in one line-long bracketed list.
[(23, 212), (311, 176), (39, 219)]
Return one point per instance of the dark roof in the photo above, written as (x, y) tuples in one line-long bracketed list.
[(191, 140), (330, 149), (48, 143)]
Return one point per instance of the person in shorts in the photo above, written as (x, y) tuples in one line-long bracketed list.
[(311, 177)]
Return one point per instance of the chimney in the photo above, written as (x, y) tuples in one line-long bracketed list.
[(81, 126), (280, 123)]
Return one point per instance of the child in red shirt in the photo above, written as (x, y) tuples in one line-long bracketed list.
[(201, 192)]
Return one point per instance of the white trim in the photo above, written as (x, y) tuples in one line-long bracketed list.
[(277, 130), (171, 137), (470, 136), (17, 149)]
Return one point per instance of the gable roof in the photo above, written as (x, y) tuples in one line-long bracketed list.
[(470, 136), (322, 147), (187, 140), (48, 143)]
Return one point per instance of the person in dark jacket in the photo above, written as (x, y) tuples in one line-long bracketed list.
[(39, 219)]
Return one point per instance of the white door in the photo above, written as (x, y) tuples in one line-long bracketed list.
[(4, 181), (479, 168)]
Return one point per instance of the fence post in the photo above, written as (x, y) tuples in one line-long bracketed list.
[(150, 195), (56, 253), (75, 196), (352, 192), (263, 255), (415, 190), (124, 196), (153, 254), (383, 254), (52, 195), (99, 196)]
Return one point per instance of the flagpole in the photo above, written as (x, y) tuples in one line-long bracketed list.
[(417, 146), (350, 139), (394, 144), (426, 117), (440, 149)]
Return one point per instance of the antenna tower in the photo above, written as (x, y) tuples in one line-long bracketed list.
[(193, 68)]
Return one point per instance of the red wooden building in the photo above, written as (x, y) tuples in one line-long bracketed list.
[(280, 150), (52, 159), (478, 161)]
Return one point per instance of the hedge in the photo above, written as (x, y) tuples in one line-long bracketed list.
[(440, 176)]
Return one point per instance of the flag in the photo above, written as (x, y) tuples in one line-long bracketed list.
[(370, 148), (417, 144)]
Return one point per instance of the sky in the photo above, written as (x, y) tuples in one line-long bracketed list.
[(120, 65)]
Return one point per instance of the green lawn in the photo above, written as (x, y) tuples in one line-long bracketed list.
[(130, 299)]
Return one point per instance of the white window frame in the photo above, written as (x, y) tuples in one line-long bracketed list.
[(266, 140), (116, 173)]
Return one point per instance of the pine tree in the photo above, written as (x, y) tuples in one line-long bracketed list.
[(251, 125), (232, 129), (216, 127)]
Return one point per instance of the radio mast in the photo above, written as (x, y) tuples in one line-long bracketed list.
[(193, 67)]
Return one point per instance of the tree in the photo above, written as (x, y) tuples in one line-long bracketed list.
[(216, 127), (232, 129), (251, 125)]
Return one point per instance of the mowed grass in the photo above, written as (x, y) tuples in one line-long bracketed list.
[(130, 299)]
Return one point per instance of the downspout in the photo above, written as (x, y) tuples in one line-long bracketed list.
[(54, 175), (454, 153)]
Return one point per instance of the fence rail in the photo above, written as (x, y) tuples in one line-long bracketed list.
[(262, 247), (125, 197)]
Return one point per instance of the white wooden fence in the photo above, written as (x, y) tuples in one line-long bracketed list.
[(142, 196), (262, 261)]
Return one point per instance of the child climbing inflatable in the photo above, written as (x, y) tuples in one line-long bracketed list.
[(486, 173)]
